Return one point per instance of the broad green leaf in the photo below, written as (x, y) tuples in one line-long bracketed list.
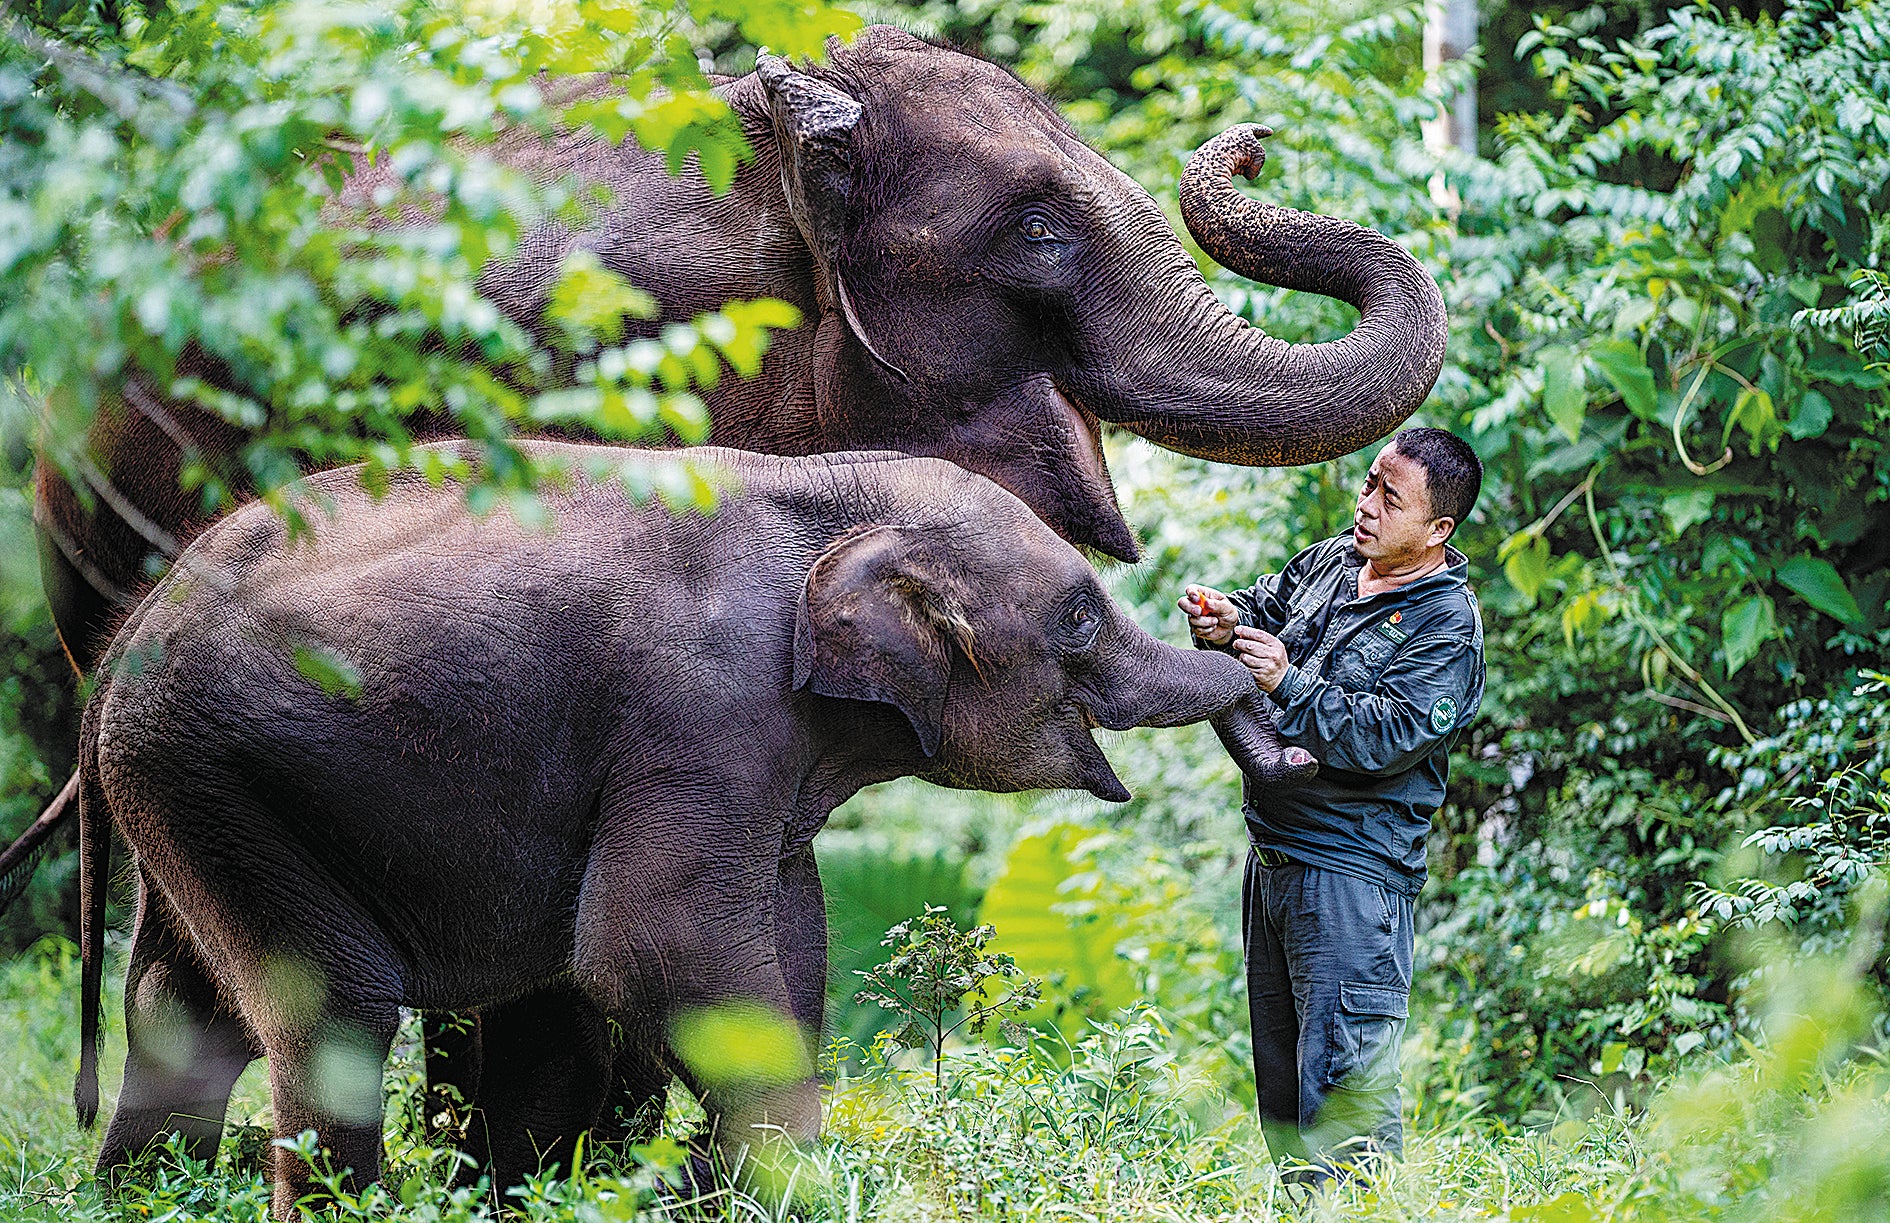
[(1807, 289), (1634, 315), (1842, 367), (1687, 507), (1744, 627), (1525, 558), (1810, 418), (1582, 613), (1754, 412), (1071, 951), (1814, 580), (1621, 363), (1564, 389)]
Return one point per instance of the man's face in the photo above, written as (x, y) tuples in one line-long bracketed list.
[(1392, 521)]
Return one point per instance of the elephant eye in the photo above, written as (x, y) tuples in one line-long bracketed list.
[(1080, 623), (1037, 229)]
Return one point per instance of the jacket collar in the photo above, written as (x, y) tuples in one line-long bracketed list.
[(1456, 572)]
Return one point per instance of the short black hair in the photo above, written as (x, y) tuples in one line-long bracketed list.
[(1453, 475)]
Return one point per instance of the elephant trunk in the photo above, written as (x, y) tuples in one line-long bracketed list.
[(1155, 684), (1203, 381), (1151, 683), (1247, 731)]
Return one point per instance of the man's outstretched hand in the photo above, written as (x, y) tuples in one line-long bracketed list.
[(1264, 655), (1211, 614)]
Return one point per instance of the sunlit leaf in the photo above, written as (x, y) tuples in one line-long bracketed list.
[(1564, 389), (1814, 580), (1525, 558), (1744, 627), (1621, 363)]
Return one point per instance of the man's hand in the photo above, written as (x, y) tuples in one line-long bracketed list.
[(1211, 614), (1263, 654)]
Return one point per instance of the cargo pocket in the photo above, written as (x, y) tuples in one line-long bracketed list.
[(1369, 1027)]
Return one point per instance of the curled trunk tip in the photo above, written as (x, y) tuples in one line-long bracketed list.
[(1234, 394)]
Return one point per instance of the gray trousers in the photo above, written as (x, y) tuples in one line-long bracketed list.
[(1329, 987)]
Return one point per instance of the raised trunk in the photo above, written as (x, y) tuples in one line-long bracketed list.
[(1205, 382)]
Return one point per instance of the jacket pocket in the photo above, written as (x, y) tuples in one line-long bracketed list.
[(1368, 1028), (1361, 661)]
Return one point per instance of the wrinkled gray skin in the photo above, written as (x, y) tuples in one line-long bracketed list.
[(574, 764)]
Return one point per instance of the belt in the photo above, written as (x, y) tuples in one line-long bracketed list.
[(1270, 857)]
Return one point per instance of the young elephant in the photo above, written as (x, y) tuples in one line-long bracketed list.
[(427, 759)]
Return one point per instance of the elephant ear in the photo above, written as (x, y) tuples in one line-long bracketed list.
[(813, 127), (879, 617)]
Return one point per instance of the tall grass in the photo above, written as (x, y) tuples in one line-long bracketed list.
[(1113, 1124)]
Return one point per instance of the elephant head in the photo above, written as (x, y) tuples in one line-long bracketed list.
[(996, 642), (990, 288)]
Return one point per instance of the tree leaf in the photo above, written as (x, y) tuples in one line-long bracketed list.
[(1744, 627), (1686, 507), (1810, 418), (1526, 562), (1621, 363), (1754, 412), (1814, 580), (1039, 872), (1564, 389)]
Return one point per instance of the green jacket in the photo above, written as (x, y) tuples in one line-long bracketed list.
[(1379, 690)]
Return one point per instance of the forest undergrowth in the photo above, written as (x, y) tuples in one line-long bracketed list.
[(1118, 1123)]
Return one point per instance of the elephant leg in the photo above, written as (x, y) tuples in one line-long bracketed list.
[(691, 942), (325, 1075), (455, 1055), (800, 940), (185, 1045), (641, 1072), (546, 1072), (308, 966)]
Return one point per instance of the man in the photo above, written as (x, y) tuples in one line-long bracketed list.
[(1370, 647)]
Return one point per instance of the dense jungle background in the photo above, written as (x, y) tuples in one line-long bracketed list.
[(1651, 979)]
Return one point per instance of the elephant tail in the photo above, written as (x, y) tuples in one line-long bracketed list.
[(95, 851), (18, 860)]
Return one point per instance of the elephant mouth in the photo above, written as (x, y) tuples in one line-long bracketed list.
[(1094, 518)]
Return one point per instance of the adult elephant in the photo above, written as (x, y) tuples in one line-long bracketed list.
[(977, 285)]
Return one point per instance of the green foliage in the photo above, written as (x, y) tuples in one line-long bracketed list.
[(1654, 325), (1070, 941), (1111, 1125), (169, 208), (1809, 873), (940, 980), (870, 885)]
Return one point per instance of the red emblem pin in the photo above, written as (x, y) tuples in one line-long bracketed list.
[(1395, 617)]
